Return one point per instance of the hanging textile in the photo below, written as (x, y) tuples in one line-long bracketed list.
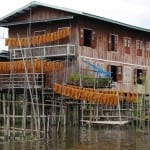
[(40, 39), (106, 97), (36, 66)]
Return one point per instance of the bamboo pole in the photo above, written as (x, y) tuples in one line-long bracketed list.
[(24, 110), (8, 118), (36, 92), (33, 107), (4, 114), (13, 106), (43, 107)]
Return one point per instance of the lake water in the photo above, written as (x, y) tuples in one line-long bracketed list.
[(86, 139)]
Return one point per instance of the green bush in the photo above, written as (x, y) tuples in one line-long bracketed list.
[(88, 80), (74, 78)]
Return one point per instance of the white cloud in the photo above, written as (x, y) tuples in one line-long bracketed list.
[(127, 11), (134, 12)]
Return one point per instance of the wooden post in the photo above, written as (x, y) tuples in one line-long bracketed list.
[(8, 117), (79, 113), (13, 106), (24, 112), (82, 113), (65, 115), (43, 106), (4, 115), (120, 119)]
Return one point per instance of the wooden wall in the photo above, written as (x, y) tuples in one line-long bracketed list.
[(99, 52), (39, 13), (102, 55), (102, 31)]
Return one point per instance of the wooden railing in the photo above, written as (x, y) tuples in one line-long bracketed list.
[(44, 51), (19, 80)]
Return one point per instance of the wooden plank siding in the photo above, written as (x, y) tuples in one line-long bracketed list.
[(99, 51), (119, 57), (40, 13)]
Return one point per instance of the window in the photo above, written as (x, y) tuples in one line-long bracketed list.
[(87, 38), (127, 45), (139, 47), (139, 76), (148, 46), (113, 42), (127, 74), (116, 72)]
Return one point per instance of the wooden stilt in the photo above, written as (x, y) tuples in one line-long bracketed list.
[(13, 104), (4, 114)]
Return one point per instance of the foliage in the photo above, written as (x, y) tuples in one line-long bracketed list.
[(74, 78), (88, 80), (103, 80)]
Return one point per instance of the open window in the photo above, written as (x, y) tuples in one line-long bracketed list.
[(113, 42), (116, 72), (139, 76), (127, 44), (139, 47), (87, 38)]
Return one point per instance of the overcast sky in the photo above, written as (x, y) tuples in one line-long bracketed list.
[(134, 12)]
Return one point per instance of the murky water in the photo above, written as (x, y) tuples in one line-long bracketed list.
[(86, 139)]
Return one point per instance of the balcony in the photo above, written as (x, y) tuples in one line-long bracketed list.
[(21, 80), (50, 52)]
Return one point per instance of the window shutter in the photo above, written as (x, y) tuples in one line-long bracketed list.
[(116, 43), (139, 47), (139, 52), (109, 42), (93, 40), (144, 77), (81, 37), (109, 68), (127, 50), (119, 73), (135, 76)]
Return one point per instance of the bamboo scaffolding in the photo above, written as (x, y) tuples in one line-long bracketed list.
[(33, 107)]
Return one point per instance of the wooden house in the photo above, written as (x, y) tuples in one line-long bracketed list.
[(47, 44), (122, 49)]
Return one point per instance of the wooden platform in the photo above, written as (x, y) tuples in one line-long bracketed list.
[(106, 122)]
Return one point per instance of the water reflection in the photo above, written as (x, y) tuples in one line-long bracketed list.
[(85, 139)]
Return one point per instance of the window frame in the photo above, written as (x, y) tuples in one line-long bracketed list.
[(148, 46), (118, 74), (137, 79), (127, 45), (139, 47), (127, 76), (113, 42), (93, 38)]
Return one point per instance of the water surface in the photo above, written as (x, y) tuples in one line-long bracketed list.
[(85, 139)]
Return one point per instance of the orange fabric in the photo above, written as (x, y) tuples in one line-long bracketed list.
[(97, 96)]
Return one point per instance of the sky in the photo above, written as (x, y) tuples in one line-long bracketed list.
[(133, 12)]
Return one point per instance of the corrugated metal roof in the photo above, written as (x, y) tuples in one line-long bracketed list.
[(35, 3)]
